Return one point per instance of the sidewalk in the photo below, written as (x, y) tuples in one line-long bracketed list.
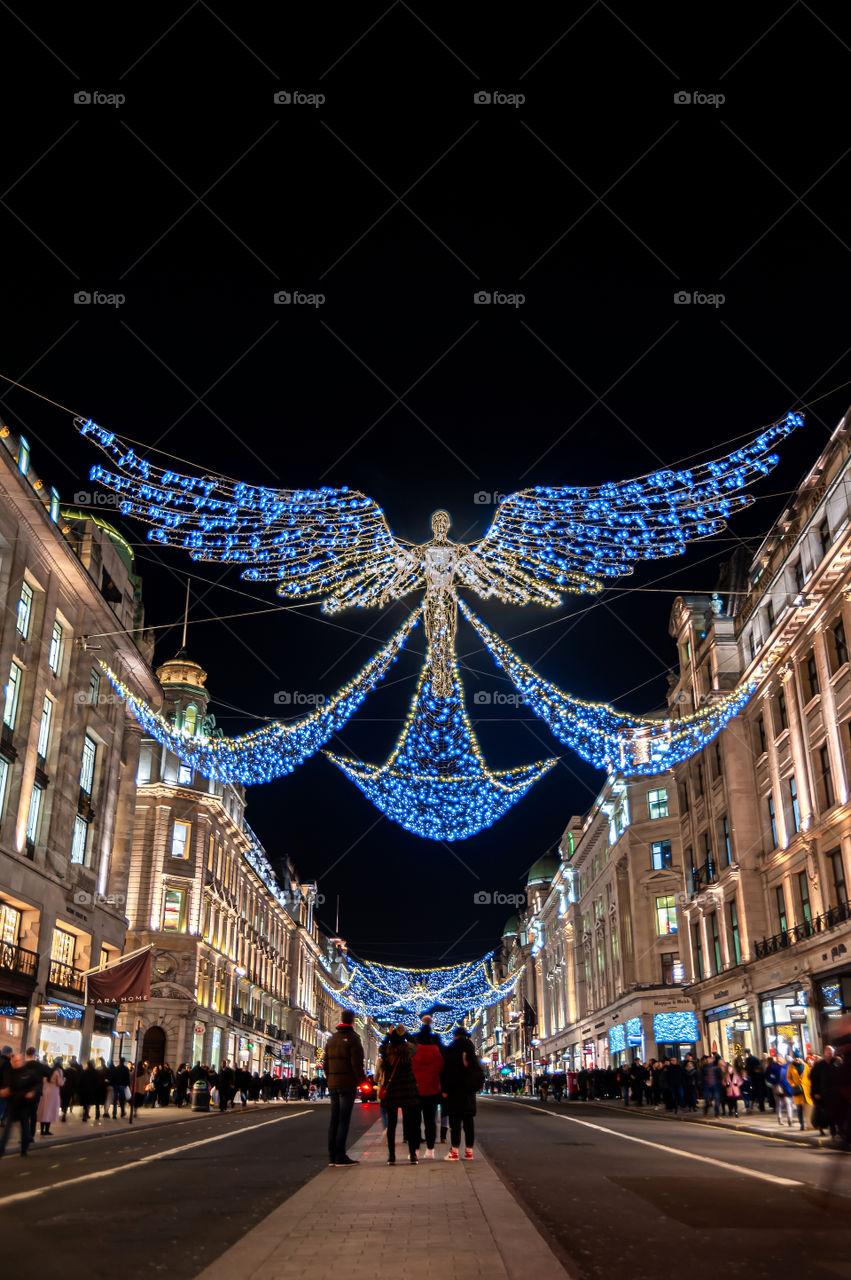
[(74, 1130), (755, 1122), (453, 1221)]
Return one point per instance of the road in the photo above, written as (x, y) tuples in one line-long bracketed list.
[(612, 1193), (617, 1194)]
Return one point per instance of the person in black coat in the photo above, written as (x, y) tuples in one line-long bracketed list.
[(826, 1090), (88, 1090), (226, 1085), (460, 1080), (400, 1086)]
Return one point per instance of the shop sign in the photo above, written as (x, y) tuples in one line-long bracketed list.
[(798, 1012), (60, 1013), (742, 1024), (286, 1047), (199, 1028)]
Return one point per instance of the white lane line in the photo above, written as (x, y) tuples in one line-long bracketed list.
[(674, 1151), (135, 1164)]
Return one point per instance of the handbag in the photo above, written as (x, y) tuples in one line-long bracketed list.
[(128, 1094), (382, 1092)]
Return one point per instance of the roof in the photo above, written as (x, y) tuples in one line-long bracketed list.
[(543, 871)]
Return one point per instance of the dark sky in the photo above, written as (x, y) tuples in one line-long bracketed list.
[(598, 198)]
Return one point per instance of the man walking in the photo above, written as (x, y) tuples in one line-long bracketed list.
[(119, 1078), (342, 1065), (22, 1081)]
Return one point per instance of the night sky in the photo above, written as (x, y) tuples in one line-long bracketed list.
[(397, 199)]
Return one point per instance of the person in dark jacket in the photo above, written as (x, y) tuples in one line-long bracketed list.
[(226, 1084), (21, 1083), (400, 1084), (119, 1078), (181, 1084), (826, 1091), (342, 1063), (88, 1090), (427, 1065), (462, 1077)]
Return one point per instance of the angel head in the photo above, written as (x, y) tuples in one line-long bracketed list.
[(441, 523)]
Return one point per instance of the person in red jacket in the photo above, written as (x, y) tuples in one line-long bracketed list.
[(428, 1064)]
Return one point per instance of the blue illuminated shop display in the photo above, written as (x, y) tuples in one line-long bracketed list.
[(680, 1026)]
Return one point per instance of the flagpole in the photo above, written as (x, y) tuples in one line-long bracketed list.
[(135, 1070)]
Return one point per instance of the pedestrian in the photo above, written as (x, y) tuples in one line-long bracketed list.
[(732, 1084), (462, 1078), (400, 1090), (5, 1059), (21, 1082), (181, 1084), (427, 1064), (69, 1090), (826, 1087), (165, 1084), (225, 1085), (51, 1097), (777, 1080), (43, 1071), (342, 1064), (798, 1080), (710, 1079)]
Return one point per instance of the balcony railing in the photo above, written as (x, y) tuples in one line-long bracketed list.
[(14, 959), (66, 977), (705, 874), (800, 932)]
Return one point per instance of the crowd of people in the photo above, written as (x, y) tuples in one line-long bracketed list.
[(416, 1076)]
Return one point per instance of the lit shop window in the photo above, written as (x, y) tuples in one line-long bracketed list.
[(174, 910), (666, 914), (180, 840)]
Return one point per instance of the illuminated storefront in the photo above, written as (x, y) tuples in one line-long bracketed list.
[(60, 1031), (13, 1026), (199, 1033), (676, 1033), (730, 1032), (786, 1018), (216, 1047), (626, 1042)]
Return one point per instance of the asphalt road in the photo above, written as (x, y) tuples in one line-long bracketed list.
[(170, 1216), (613, 1206)]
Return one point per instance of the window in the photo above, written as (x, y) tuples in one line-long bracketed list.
[(840, 645), (683, 797), (698, 952), (4, 780), (733, 917), (657, 803), (782, 710), (44, 728), (769, 613), (174, 910), (838, 870), (184, 774), (772, 821), (812, 674), (180, 840), (716, 940), (804, 898), (796, 807), (63, 948), (661, 854), (10, 925), (762, 744), (688, 859), (23, 455), (54, 506), (211, 853), (25, 609), (716, 758), (751, 645), (798, 574), (34, 813), (827, 795), (87, 767), (94, 686), (666, 914), (54, 656), (824, 537), (190, 719), (780, 899), (672, 969), (13, 693), (724, 843), (700, 780), (79, 840)]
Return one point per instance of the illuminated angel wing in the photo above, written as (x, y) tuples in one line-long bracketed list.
[(333, 543), (569, 540)]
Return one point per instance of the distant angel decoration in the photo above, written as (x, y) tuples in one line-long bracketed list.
[(543, 543)]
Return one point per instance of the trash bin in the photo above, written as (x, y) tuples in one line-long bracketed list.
[(201, 1096)]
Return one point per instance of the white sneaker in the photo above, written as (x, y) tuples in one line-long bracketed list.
[(429, 1155)]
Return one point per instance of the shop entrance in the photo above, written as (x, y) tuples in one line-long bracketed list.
[(153, 1047)]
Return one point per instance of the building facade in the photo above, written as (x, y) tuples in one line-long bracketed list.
[(70, 595)]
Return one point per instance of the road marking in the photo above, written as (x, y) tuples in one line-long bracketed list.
[(135, 1164), (675, 1151)]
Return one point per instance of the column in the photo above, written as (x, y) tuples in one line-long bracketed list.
[(829, 720), (774, 771), (799, 746)]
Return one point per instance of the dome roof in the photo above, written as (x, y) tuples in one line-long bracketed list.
[(512, 927), (544, 870)]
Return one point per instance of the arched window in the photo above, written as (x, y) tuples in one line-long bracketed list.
[(190, 719)]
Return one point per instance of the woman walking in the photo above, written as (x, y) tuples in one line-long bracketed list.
[(51, 1098), (462, 1077), (798, 1080), (428, 1064), (400, 1090), (732, 1084)]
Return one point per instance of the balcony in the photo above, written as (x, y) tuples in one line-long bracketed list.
[(66, 977), (702, 876), (14, 959), (800, 932)]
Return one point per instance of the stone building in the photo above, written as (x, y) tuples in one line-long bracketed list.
[(235, 952), (68, 757)]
